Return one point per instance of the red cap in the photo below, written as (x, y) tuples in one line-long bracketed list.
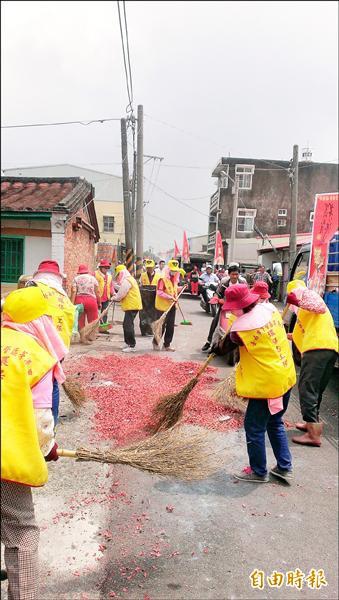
[(49, 266), (82, 270), (239, 296), (104, 263), (261, 288)]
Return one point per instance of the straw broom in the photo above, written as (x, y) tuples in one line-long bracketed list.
[(173, 453), (74, 392), (225, 393), (157, 325), (90, 328), (168, 411)]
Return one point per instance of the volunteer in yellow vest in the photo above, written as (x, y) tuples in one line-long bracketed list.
[(27, 431), (167, 293), (49, 279), (149, 277), (315, 337), (104, 279), (264, 375), (129, 296)]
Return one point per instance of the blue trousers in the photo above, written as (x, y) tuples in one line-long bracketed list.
[(55, 401), (258, 421)]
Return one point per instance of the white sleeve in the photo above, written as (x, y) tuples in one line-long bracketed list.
[(45, 428)]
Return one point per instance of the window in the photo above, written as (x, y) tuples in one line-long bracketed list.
[(245, 174), (108, 224), (311, 216), (12, 259), (245, 219), (281, 222), (282, 212)]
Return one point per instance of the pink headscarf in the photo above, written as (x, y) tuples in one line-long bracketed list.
[(44, 332)]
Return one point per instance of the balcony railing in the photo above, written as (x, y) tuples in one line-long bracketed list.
[(214, 202)]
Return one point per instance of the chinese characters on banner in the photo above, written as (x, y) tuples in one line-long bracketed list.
[(176, 250), (325, 224), (219, 250), (105, 251), (185, 250)]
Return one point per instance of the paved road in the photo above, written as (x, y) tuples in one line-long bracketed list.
[(115, 532)]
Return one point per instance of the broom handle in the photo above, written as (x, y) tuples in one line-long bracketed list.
[(205, 365), (285, 311), (66, 453), (173, 303), (182, 314)]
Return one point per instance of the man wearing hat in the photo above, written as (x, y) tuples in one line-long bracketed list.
[(167, 293), (104, 279), (129, 297), (148, 284), (149, 277), (265, 376)]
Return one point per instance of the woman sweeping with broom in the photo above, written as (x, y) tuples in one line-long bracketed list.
[(165, 301), (264, 375)]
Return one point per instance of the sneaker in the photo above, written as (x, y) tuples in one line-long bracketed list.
[(283, 474), (129, 349), (205, 347), (248, 475)]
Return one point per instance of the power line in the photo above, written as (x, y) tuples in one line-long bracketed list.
[(129, 84), (59, 123), (177, 199), (170, 223)]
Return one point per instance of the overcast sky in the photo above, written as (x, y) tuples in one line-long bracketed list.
[(246, 78)]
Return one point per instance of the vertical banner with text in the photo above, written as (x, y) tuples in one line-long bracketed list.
[(219, 250), (325, 225)]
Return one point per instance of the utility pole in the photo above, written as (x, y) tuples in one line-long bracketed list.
[(294, 206), (139, 214), (231, 252), (126, 196)]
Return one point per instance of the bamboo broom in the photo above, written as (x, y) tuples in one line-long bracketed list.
[(168, 411), (157, 325), (74, 392), (173, 453)]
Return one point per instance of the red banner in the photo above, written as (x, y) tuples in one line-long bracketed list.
[(176, 250), (219, 250), (185, 250), (325, 225)]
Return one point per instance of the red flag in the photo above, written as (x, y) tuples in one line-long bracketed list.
[(176, 250), (219, 250), (325, 224), (185, 250)]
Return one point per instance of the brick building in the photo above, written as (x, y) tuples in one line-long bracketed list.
[(264, 203), (46, 218)]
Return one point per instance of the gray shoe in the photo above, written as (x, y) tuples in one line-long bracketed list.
[(251, 477), (282, 474)]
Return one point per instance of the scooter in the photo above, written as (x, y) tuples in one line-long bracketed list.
[(209, 308)]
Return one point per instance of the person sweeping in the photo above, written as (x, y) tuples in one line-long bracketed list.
[(148, 286), (85, 291), (149, 277), (316, 339), (129, 296), (265, 376), (166, 298), (27, 432), (104, 279)]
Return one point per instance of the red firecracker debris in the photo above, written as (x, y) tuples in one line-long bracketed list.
[(124, 409), (169, 508)]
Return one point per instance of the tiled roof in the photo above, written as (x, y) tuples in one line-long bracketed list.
[(37, 194)]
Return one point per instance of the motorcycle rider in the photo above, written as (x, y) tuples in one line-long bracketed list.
[(233, 278), (206, 279)]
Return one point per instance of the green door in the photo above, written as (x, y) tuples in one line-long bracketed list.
[(12, 259)]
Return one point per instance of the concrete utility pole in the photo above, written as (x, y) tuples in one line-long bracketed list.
[(231, 252), (294, 206), (140, 192), (126, 195)]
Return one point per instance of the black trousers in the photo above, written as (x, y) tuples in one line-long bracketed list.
[(103, 306), (128, 327), (168, 326), (315, 373), (214, 325)]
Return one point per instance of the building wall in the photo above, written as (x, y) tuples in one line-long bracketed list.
[(198, 244), (116, 210), (36, 250), (79, 248)]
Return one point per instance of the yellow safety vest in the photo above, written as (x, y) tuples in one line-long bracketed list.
[(266, 368), (101, 281), (172, 290), (314, 331), (144, 280), (132, 300), (23, 363), (61, 310)]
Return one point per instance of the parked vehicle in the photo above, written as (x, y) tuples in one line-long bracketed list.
[(209, 308)]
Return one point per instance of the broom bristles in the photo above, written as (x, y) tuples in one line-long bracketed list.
[(168, 411), (90, 328), (225, 393), (157, 328), (75, 392), (173, 453)]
